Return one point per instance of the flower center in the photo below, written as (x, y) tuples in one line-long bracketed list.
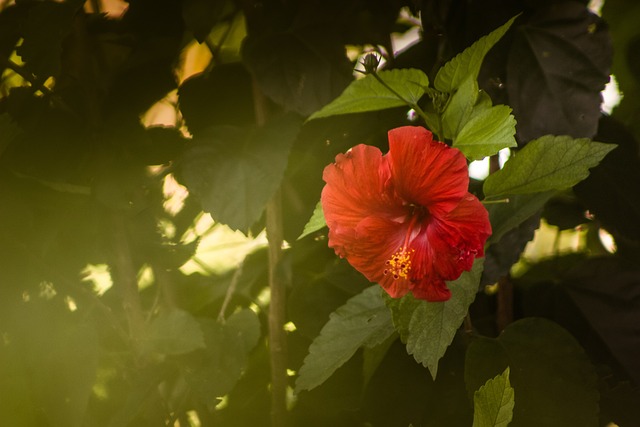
[(399, 265)]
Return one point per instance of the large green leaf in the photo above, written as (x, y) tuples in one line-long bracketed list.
[(467, 64), (547, 163), (428, 328), (493, 403), (368, 94), (518, 208), (363, 321), (553, 377), (487, 132), (235, 172), (172, 333), (316, 222)]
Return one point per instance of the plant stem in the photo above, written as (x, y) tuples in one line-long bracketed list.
[(126, 280), (277, 286), (410, 104), (277, 338)]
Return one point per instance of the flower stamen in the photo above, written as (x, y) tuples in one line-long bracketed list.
[(399, 265)]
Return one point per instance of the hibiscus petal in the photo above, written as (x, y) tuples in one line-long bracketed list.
[(427, 172), (357, 187), (376, 240), (464, 232)]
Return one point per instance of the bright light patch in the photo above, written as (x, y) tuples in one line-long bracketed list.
[(145, 277), (99, 276), (611, 95), (71, 303), (221, 249), (479, 169), (289, 327), (595, 6), (174, 195), (607, 241)]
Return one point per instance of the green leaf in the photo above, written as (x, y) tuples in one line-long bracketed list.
[(507, 216), (467, 63), (372, 356), (173, 333), (235, 172), (316, 222), (493, 403), (555, 381), (362, 321), (368, 94), (226, 355), (487, 133), (459, 107), (547, 163), (476, 128), (428, 328)]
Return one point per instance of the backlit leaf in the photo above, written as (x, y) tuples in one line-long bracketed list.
[(316, 222), (467, 64), (547, 163), (493, 402), (487, 133), (368, 94)]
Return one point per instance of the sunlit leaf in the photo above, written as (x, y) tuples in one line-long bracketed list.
[(363, 321), (316, 222), (428, 328), (459, 107), (468, 63), (493, 402), (487, 133), (368, 94), (547, 163)]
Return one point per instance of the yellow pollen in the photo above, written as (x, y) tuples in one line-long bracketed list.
[(399, 265)]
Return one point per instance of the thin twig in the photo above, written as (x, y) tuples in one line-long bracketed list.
[(230, 291)]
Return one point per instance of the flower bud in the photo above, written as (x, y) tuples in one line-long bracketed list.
[(370, 63)]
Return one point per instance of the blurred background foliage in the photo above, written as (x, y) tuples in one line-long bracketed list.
[(122, 303)]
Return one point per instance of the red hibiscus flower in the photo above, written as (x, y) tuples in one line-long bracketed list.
[(405, 219)]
